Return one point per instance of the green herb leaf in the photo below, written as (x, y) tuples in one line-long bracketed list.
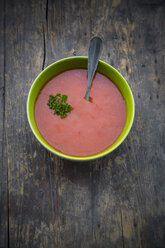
[(59, 105)]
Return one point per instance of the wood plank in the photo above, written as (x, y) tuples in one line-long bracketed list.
[(124, 44), (3, 161), (117, 201), (145, 50), (26, 171)]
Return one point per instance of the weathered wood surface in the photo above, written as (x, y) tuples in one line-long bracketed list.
[(116, 201), (3, 161)]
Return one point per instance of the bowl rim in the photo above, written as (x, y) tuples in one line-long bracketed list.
[(89, 157)]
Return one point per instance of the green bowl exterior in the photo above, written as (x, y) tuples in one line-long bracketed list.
[(80, 62)]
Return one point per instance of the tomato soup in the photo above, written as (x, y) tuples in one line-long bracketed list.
[(92, 126)]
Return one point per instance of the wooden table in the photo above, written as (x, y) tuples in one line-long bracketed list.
[(119, 200)]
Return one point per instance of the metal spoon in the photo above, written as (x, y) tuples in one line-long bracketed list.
[(93, 59)]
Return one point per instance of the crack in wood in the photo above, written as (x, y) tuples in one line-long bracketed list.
[(122, 229), (44, 35), (44, 48), (46, 15)]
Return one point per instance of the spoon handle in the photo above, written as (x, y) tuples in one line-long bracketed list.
[(93, 59)]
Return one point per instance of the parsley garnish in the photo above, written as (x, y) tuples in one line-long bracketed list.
[(59, 105)]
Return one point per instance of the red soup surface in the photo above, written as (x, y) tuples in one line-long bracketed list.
[(91, 127)]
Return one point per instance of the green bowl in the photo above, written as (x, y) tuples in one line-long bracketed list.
[(80, 62)]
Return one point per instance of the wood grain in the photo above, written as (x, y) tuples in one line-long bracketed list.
[(116, 201), (3, 161)]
